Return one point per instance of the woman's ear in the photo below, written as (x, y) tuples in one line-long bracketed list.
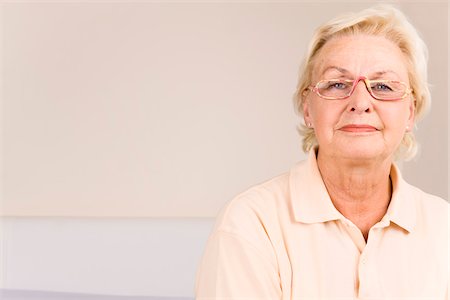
[(305, 107), (411, 118)]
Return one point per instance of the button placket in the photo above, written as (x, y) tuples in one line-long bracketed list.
[(367, 269), (363, 275), (363, 260)]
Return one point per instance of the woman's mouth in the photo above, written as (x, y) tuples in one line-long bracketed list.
[(358, 128)]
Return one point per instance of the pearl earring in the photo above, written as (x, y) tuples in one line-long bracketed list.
[(309, 124), (407, 127)]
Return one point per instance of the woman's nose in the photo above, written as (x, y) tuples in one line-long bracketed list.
[(360, 100)]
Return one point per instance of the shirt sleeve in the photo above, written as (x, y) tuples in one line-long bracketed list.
[(233, 268)]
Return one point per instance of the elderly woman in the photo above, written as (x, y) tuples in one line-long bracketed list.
[(343, 224)]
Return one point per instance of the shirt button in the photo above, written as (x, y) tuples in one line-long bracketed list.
[(363, 260)]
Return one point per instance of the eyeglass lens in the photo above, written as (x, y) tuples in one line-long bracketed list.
[(381, 89)]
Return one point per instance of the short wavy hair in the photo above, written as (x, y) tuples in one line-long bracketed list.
[(381, 20)]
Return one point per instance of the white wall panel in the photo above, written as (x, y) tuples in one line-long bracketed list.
[(113, 256)]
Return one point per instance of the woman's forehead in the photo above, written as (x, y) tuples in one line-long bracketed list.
[(360, 55)]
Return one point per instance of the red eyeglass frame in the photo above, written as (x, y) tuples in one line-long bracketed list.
[(366, 81)]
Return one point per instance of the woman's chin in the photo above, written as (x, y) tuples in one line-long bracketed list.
[(360, 151)]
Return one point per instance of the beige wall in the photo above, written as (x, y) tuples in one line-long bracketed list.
[(154, 109)]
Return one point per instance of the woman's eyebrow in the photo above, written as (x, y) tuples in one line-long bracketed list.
[(379, 74), (339, 69), (344, 71)]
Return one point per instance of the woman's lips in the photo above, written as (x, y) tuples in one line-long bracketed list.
[(358, 128)]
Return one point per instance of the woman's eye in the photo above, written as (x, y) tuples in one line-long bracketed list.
[(337, 85), (382, 87)]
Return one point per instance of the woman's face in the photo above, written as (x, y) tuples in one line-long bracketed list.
[(359, 127)]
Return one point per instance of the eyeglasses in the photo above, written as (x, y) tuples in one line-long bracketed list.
[(336, 89)]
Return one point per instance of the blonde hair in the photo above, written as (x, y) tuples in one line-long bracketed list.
[(385, 21)]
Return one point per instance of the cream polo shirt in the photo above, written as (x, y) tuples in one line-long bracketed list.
[(284, 239)]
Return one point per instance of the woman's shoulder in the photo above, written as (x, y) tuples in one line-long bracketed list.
[(429, 201), (432, 208), (255, 208)]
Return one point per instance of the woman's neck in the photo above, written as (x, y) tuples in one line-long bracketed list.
[(359, 191)]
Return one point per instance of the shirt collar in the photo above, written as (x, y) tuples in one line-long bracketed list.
[(312, 204), (310, 200), (402, 209)]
